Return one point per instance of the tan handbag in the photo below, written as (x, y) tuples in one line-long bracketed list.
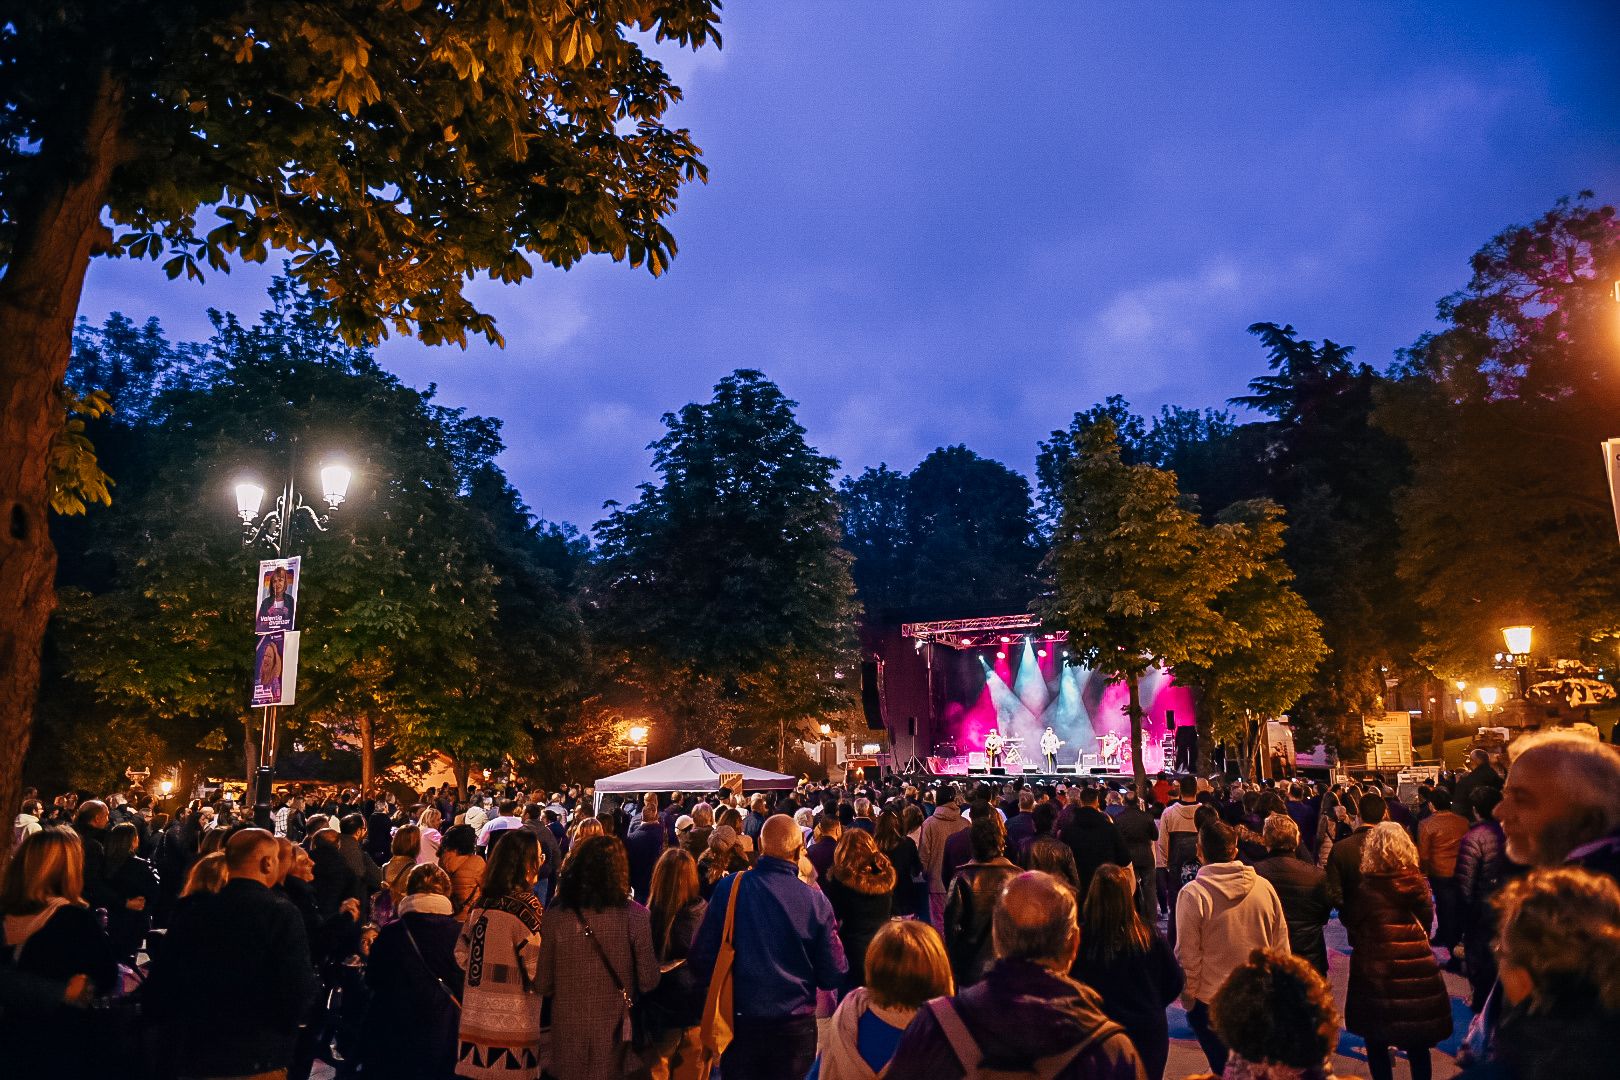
[(715, 1031)]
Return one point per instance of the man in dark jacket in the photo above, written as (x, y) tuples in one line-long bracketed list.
[(550, 849), (1025, 1014), (1093, 837), (1138, 830), (1480, 774), (1344, 861), (643, 844), (1021, 823), (250, 939), (352, 843), (1301, 887)]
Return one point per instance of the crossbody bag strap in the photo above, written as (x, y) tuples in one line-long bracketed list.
[(963, 1044), (731, 907), (618, 983), (451, 994)]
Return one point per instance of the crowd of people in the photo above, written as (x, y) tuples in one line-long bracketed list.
[(898, 929)]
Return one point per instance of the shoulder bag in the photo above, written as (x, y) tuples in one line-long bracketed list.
[(716, 1030), (633, 1030)]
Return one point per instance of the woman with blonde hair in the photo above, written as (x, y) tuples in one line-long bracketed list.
[(207, 875), (427, 825), (49, 932), (402, 852), (1558, 955), (906, 967), (1396, 997), (860, 885), (675, 1007)]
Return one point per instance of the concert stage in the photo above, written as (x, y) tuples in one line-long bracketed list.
[(941, 687)]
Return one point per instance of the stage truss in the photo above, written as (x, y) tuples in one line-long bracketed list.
[(976, 633)]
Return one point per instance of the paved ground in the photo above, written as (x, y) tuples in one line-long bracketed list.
[(1351, 1060), (1186, 1058)]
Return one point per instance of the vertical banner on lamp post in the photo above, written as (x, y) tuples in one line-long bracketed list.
[(275, 669), (1611, 465), (275, 606)]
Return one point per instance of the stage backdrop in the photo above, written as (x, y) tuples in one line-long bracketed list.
[(1018, 690)]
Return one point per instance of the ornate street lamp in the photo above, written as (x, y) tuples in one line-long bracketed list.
[(274, 529), (1518, 640), (1487, 698), (637, 747)]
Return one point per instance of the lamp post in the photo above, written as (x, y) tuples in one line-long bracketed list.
[(1487, 698), (1518, 640), (274, 529), (636, 749)]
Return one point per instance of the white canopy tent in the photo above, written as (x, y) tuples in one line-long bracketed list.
[(695, 770)]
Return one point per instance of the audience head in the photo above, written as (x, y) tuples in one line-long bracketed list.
[(1372, 808), (1559, 942), (1562, 791), (48, 865), (1054, 857), (595, 876), (427, 878), (1281, 834), (208, 874), (1113, 927), (1440, 799), (1276, 1010), (406, 843), (1035, 920), (514, 864), (906, 965), (1388, 850), (458, 840), (1217, 841), (858, 863), (780, 838), (987, 836)]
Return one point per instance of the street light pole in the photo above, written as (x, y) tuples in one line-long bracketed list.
[(274, 529)]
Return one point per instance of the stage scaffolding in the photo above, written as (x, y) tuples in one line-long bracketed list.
[(975, 633)]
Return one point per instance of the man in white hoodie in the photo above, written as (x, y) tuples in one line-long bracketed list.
[(1222, 915)]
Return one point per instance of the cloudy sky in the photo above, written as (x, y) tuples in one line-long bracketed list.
[(952, 222)]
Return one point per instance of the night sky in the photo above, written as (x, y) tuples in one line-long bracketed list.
[(937, 222)]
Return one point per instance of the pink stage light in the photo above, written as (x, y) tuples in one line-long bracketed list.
[(1000, 655), (1041, 654), (967, 641), (1006, 641)]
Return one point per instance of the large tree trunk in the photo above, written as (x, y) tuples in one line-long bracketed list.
[(57, 232), (368, 751), (1134, 709), (460, 769)]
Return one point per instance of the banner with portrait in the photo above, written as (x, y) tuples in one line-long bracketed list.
[(275, 669), (275, 606)]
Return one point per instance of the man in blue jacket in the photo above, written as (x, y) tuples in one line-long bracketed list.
[(787, 946)]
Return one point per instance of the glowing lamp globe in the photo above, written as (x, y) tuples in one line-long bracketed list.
[(1471, 708), (1518, 639), (335, 484), (1487, 696), (249, 497)]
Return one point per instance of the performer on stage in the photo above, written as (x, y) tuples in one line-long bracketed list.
[(1186, 746), (992, 749), (1049, 748)]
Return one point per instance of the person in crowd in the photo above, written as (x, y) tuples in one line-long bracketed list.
[(1276, 1014), (759, 811), (787, 931), (1439, 839), (50, 934), (132, 888), (675, 911), (551, 858), (1561, 802), (1481, 868), (1222, 915), (697, 840), (377, 839), (944, 822), (911, 883), (863, 814), (427, 826), (207, 875), (91, 821), (498, 952), (860, 884), (644, 841), (353, 835), (1133, 968), (824, 844), (972, 900), (1093, 837), (1559, 955), (1479, 775), (596, 959), (27, 823), (1344, 862), (1025, 1014), (1176, 850), (1053, 856), (506, 817), (1396, 996), (1140, 832), (724, 856), (905, 967), (246, 937), (458, 856), (1302, 888), (1021, 822), (670, 814), (414, 1015), (403, 850), (586, 828)]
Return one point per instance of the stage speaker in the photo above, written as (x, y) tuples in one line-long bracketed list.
[(977, 770), (1066, 770), (1030, 770), (1098, 772), (998, 770), (872, 694), (911, 726)]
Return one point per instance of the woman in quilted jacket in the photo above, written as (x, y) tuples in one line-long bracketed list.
[(1397, 997)]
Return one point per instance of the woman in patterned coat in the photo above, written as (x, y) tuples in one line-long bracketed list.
[(499, 950), (597, 959)]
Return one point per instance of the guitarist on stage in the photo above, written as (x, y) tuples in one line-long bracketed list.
[(993, 744), (1049, 748)]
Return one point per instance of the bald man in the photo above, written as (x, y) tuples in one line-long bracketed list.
[(1025, 1014), (787, 948), (246, 937)]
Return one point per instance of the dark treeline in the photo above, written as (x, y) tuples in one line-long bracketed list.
[(1419, 508)]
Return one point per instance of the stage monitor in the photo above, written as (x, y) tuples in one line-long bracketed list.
[(1030, 770), (998, 770), (1066, 770)]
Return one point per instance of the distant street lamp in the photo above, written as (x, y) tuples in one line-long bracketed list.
[(1487, 698), (636, 749), (1518, 640), (274, 529)]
